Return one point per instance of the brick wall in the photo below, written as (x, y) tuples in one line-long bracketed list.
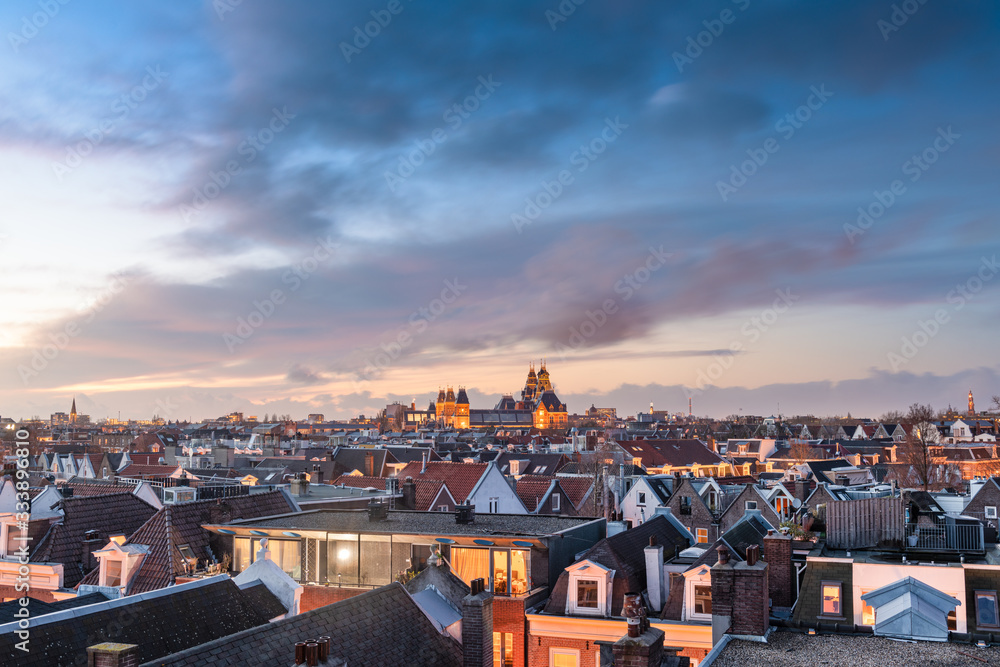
[(778, 554), (538, 650), (750, 599), (700, 516), (477, 630), (811, 595), (508, 617), (8, 592), (320, 596)]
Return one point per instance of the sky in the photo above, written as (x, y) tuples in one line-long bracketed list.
[(296, 207)]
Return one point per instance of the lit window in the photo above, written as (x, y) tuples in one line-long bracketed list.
[(703, 599), (831, 598), (586, 593), (867, 611), (702, 535), (503, 649), (564, 657), (113, 573), (991, 512), (986, 609)]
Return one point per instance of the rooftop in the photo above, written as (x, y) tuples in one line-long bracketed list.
[(424, 523), (788, 649)]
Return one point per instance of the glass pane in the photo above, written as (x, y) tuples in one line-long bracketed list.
[(496, 648), (114, 572), (375, 567), (400, 557), (586, 594), (241, 553), (564, 660), (703, 599), (342, 560), (518, 572), (500, 569), (469, 564), (986, 609), (831, 599), (286, 554)]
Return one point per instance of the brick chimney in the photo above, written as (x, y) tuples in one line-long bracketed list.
[(477, 626), (110, 654), (740, 595), (92, 541), (802, 489), (409, 494), (646, 650), (778, 554)]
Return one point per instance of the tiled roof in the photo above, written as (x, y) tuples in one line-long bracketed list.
[(147, 471), (531, 490), (179, 524), (82, 490), (107, 514), (461, 478), (577, 489), (160, 623), (382, 627), (427, 489)]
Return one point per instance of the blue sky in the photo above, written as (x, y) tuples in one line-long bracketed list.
[(256, 206)]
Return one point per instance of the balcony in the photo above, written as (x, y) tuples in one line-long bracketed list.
[(947, 536)]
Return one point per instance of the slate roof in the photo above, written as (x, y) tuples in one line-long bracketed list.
[(179, 524), (659, 453), (353, 458), (382, 627), (538, 464), (111, 514), (820, 468), (160, 623), (38, 608), (81, 490), (461, 478), (148, 471)]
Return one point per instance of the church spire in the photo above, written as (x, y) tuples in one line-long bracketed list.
[(72, 411)]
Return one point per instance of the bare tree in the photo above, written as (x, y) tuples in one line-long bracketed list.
[(801, 451), (892, 417), (916, 450)]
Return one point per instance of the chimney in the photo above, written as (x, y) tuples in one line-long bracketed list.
[(723, 584), (654, 575), (740, 595), (369, 464), (410, 494), (477, 626), (646, 650), (67, 492), (423, 466), (778, 554), (465, 513), (92, 541), (299, 485), (801, 489), (377, 511), (110, 654)]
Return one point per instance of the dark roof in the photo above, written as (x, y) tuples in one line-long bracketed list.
[(38, 608), (382, 627), (354, 458), (264, 601), (160, 623), (538, 464), (179, 524), (111, 514), (820, 468)]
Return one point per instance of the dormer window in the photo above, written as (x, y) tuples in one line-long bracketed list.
[(589, 589), (555, 502), (113, 574)]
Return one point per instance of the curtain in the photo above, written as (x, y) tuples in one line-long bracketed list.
[(469, 564)]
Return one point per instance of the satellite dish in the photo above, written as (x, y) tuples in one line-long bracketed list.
[(796, 503)]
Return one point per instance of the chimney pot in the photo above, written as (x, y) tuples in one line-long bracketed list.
[(300, 653), (312, 654), (723, 554)]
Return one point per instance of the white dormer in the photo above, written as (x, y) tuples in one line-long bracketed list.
[(698, 595), (589, 589), (119, 561)]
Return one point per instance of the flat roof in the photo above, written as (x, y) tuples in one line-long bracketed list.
[(412, 523)]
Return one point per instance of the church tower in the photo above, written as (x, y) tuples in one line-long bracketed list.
[(972, 405), (440, 404), (449, 407), (462, 409), (72, 411), (544, 383)]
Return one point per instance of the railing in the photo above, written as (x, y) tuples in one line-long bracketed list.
[(946, 536)]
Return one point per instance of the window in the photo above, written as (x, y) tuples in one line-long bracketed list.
[(685, 505), (782, 505), (586, 593), (991, 512), (750, 505), (503, 649), (642, 500), (189, 558), (702, 534), (831, 599), (986, 609), (104, 472), (494, 505), (564, 657), (555, 502), (703, 599), (113, 573), (442, 508), (867, 611)]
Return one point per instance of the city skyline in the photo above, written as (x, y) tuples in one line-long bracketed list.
[(215, 206)]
